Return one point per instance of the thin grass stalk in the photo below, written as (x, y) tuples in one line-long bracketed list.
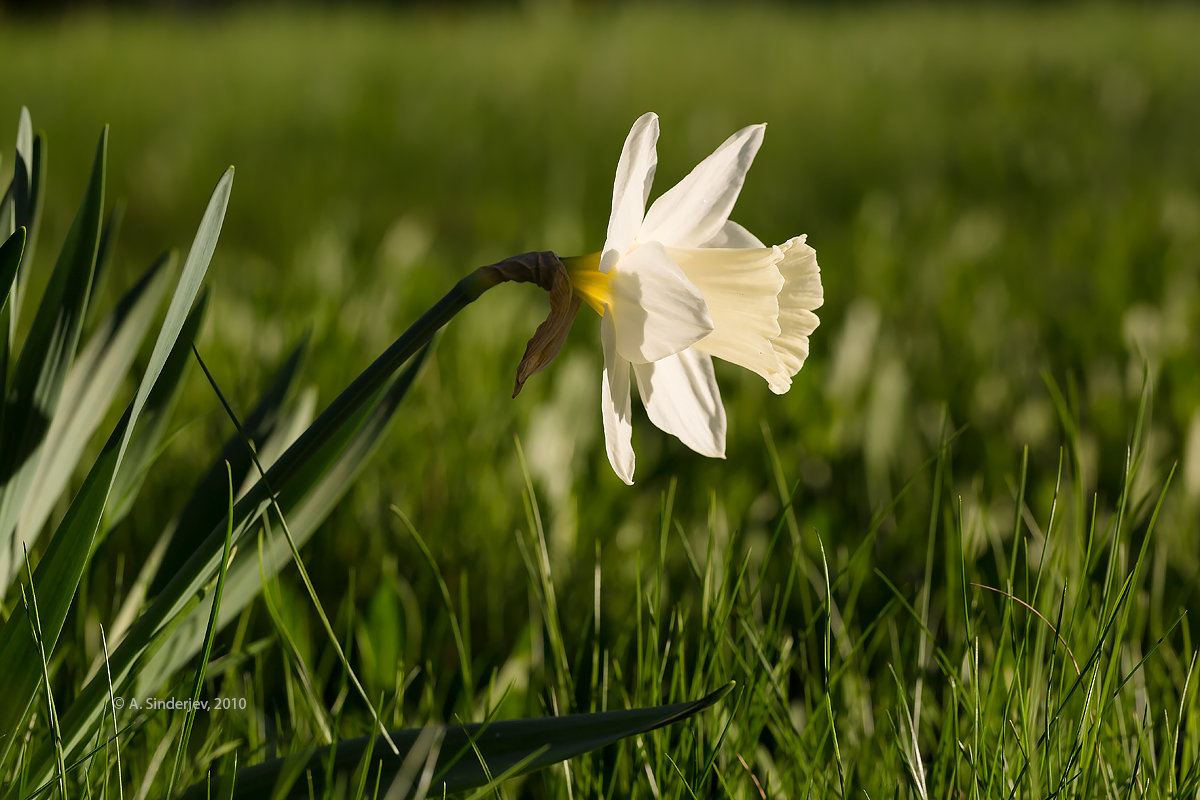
[(210, 634), (29, 600), (312, 592)]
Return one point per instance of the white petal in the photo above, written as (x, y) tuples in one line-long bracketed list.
[(656, 310), (681, 396), (741, 286), (733, 235), (631, 189), (802, 294), (697, 207), (616, 408)]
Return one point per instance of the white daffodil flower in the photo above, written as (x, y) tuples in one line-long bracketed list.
[(681, 283)]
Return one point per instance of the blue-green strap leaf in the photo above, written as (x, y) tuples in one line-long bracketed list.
[(153, 422), (511, 748), (109, 234), (22, 204), (10, 260), (69, 549), (11, 253), (44, 361), (96, 377)]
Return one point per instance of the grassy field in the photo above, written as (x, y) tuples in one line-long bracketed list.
[(942, 564)]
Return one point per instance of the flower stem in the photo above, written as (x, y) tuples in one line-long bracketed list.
[(537, 267), (465, 292)]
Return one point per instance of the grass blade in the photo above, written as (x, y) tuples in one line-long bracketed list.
[(29, 603), (210, 633)]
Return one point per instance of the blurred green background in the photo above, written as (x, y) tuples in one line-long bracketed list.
[(1002, 198)]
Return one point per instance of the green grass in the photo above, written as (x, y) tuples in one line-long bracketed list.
[(1006, 206)]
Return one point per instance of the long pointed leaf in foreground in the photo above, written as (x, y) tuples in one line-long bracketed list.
[(104, 255), (22, 204), (45, 358), (93, 382), (195, 266), (512, 748), (10, 259), (8, 203), (69, 549), (60, 567), (28, 176), (152, 423), (11, 253)]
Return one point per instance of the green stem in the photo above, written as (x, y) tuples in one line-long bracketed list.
[(465, 292)]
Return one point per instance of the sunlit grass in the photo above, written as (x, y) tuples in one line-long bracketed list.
[(1005, 205)]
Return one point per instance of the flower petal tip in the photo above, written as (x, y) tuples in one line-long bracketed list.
[(622, 464)]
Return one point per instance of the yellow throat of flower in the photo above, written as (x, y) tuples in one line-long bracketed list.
[(588, 282)]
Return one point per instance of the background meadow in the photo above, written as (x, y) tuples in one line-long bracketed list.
[(1005, 202)]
